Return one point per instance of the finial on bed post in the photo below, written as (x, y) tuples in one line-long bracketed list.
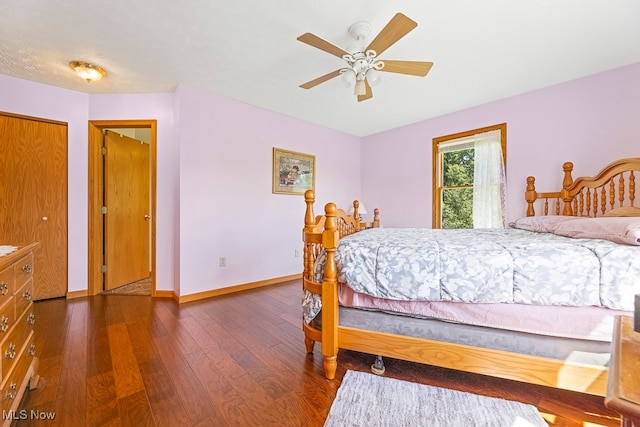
[(309, 217), (530, 195), (330, 240), (567, 182)]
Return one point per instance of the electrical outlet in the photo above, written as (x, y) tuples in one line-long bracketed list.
[(296, 253), (223, 261)]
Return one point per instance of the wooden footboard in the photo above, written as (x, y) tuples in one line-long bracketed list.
[(323, 232)]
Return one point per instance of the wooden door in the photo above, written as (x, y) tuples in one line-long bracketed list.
[(127, 218), (33, 196)]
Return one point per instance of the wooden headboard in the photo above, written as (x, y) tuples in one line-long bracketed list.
[(614, 187)]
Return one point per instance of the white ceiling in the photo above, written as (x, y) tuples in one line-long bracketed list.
[(482, 50)]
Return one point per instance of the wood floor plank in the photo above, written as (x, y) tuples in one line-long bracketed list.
[(223, 337), (180, 337), (112, 310), (102, 402), (126, 373), (71, 397), (52, 320), (135, 411), (187, 385), (141, 342), (261, 408), (79, 314), (200, 335), (226, 364), (170, 417), (222, 396), (161, 393), (98, 361)]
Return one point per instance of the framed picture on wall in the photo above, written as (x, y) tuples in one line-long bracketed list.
[(293, 173)]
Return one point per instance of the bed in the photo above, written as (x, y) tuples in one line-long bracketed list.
[(560, 341)]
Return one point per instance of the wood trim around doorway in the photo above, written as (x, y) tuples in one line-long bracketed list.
[(95, 276)]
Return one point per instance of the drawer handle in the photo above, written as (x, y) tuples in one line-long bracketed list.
[(4, 288), (26, 268), (11, 351), (11, 393), (4, 323), (31, 319), (32, 350), (27, 295)]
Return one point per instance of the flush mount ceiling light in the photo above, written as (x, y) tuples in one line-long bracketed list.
[(87, 71)]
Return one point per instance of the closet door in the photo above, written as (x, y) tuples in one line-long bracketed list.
[(33, 196)]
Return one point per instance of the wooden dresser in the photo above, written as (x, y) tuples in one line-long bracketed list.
[(18, 363), (623, 391)]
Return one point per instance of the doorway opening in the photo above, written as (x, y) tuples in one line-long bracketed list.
[(116, 241)]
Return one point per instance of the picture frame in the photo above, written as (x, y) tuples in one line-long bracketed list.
[(293, 172)]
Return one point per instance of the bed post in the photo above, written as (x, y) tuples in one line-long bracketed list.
[(530, 195), (330, 240), (376, 218), (309, 222), (567, 181), (307, 260)]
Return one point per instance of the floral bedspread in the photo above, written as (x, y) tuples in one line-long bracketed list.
[(485, 266)]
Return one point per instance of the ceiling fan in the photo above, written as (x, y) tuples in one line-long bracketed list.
[(362, 64)]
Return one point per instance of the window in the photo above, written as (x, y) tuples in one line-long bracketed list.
[(469, 178)]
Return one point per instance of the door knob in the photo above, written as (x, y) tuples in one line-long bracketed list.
[(44, 218), (147, 217)]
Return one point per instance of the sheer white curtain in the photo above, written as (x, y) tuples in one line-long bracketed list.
[(489, 189)]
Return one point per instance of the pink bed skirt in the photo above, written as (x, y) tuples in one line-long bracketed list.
[(593, 323)]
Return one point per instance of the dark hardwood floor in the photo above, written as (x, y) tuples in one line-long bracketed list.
[(236, 360)]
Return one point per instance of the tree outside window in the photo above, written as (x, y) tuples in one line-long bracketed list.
[(457, 189)]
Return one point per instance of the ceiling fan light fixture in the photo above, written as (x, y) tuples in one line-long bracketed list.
[(360, 88), (373, 77), (87, 71), (348, 77)]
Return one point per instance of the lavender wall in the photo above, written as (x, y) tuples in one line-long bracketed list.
[(226, 204), (160, 108), (590, 121), (38, 100)]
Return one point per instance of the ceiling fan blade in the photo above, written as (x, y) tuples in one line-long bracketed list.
[(322, 44), (368, 94), (321, 79), (414, 68), (397, 28)]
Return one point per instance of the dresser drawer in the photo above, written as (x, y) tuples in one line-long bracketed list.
[(23, 270), (15, 340), (12, 386), (7, 317), (6, 283), (23, 296)]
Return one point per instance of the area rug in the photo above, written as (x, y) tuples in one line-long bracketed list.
[(365, 399)]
